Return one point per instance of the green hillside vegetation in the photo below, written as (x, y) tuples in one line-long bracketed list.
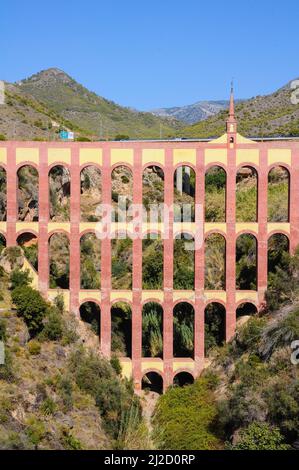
[(23, 117), (56, 393), (248, 398), (271, 115), (90, 112)]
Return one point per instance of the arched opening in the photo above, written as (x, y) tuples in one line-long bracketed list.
[(122, 193), (278, 255), (214, 326), (3, 194), (121, 261), (90, 313), (29, 244), (2, 242), (152, 262), (215, 249), (27, 193), (246, 194), (183, 330), (152, 330), (90, 262), (215, 195), (121, 329), (182, 379), (278, 194), (183, 262), (152, 382), (153, 193), (246, 262), (91, 193), (59, 259), (247, 309), (184, 194), (59, 193)]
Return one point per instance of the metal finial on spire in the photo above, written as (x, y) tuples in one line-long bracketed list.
[(232, 85)]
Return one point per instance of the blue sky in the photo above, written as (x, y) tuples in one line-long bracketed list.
[(154, 53)]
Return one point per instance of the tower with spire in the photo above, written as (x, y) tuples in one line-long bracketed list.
[(231, 123)]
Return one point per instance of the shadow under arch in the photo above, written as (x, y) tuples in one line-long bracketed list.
[(153, 382), (90, 313), (215, 325), (245, 309), (121, 329), (59, 259), (28, 241), (183, 378), (246, 262)]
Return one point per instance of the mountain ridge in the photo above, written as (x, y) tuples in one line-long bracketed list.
[(37, 107)]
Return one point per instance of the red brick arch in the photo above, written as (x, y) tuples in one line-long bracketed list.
[(10, 230)]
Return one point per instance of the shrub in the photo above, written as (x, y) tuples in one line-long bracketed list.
[(48, 407), (34, 347), (53, 325), (59, 302), (20, 278), (31, 307), (114, 361), (249, 336), (185, 417), (65, 389), (283, 405), (6, 369), (96, 376), (2, 330), (260, 436), (279, 334), (69, 441), (35, 430)]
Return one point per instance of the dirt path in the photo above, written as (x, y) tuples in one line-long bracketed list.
[(148, 403)]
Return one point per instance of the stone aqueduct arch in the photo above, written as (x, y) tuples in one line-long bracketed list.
[(231, 152)]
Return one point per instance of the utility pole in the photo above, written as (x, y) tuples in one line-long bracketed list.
[(161, 131)]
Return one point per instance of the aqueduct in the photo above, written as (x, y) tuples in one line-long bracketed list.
[(231, 152)]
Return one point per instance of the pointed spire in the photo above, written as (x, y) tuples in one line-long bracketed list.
[(231, 123)]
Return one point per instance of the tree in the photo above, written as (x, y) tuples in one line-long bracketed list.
[(31, 307), (19, 278), (260, 436)]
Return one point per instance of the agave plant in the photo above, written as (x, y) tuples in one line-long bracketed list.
[(279, 334)]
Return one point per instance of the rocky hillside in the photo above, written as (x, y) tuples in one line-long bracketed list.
[(270, 115), (56, 390), (192, 113), (39, 106), (22, 117), (88, 113)]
